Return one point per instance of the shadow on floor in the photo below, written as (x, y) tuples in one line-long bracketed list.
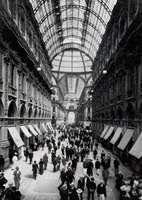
[(29, 176)]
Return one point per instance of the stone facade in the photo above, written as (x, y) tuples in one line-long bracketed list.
[(25, 72), (117, 93)]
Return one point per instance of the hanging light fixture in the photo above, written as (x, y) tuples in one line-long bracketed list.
[(104, 71)]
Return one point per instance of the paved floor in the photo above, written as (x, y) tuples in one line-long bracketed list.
[(45, 186)]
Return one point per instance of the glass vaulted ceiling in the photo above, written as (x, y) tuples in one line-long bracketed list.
[(72, 30)]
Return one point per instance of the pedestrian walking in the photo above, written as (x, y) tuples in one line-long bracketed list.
[(55, 164), (95, 153), (97, 166), (62, 176), (105, 174), (64, 162), (96, 144), (108, 158), (14, 161), (26, 154), (73, 192), (63, 189), (45, 161), (102, 156), (80, 187), (116, 164), (101, 191), (35, 169), (91, 188), (63, 149), (17, 177), (2, 162), (41, 163), (30, 156), (58, 162)]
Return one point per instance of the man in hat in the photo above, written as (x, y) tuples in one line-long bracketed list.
[(91, 188), (101, 190), (17, 177), (34, 169), (80, 186), (73, 192), (63, 189)]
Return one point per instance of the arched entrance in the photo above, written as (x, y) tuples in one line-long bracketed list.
[(71, 117)]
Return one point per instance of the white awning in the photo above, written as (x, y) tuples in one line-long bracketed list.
[(49, 126), (136, 150), (116, 136), (44, 129), (32, 130), (37, 129), (109, 133), (16, 137), (125, 139), (25, 131), (104, 131)]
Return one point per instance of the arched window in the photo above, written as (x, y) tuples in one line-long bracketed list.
[(30, 112), (12, 109), (23, 111)]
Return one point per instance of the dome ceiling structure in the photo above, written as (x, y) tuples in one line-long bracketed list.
[(72, 31)]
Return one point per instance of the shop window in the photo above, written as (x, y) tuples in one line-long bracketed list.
[(23, 83), (12, 76)]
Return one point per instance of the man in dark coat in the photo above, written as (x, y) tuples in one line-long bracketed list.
[(116, 166), (34, 169), (95, 153), (31, 156), (26, 153), (41, 164), (73, 193), (90, 168), (91, 188), (80, 185), (69, 176), (97, 166), (101, 190)]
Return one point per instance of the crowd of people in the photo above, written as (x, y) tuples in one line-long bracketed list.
[(74, 146)]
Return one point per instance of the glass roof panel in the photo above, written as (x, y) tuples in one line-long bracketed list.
[(65, 18)]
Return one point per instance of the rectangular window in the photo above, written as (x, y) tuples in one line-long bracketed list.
[(12, 76)]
